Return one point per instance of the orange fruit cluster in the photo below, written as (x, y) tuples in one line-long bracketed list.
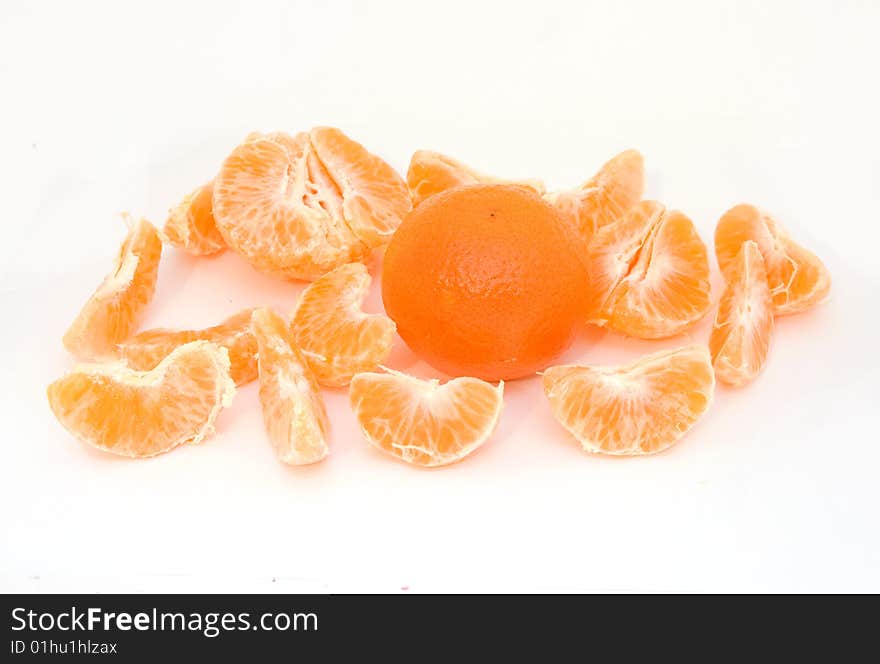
[(486, 279)]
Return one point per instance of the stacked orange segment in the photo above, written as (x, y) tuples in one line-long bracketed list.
[(337, 337), (430, 173), (299, 206), (740, 337), (191, 226), (649, 273), (606, 197), (293, 411), (640, 408), (423, 422), (145, 413), (115, 309), (145, 350), (797, 278)]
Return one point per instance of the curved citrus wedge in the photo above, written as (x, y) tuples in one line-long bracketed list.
[(374, 197), (276, 205), (299, 206), (666, 290), (117, 306), (606, 197), (145, 413), (337, 337), (640, 408), (293, 411), (430, 173), (190, 225), (740, 338), (798, 279), (613, 251), (421, 421), (145, 350)]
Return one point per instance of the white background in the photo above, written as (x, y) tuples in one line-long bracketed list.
[(126, 106)]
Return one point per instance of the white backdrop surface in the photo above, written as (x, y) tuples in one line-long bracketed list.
[(112, 106)]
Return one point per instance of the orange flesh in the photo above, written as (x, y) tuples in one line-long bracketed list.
[(740, 338), (299, 206), (191, 226), (649, 274), (797, 278), (422, 422), (141, 414), (117, 306), (293, 411), (337, 337), (430, 173), (636, 409), (606, 197), (146, 349)]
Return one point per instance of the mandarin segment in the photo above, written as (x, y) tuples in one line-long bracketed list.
[(276, 205), (667, 288), (797, 277), (145, 350), (430, 173), (293, 411), (145, 413), (606, 197), (613, 251), (191, 226), (636, 409), (374, 197), (337, 337), (740, 338), (117, 306), (423, 422)]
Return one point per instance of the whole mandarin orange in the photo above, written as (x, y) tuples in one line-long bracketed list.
[(486, 281)]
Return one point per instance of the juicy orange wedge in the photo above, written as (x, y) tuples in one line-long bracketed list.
[(145, 350), (613, 251), (657, 269), (798, 279), (293, 412), (740, 338), (145, 413), (299, 206), (430, 173), (421, 421), (191, 226), (640, 408), (374, 197), (115, 309), (606, 197), (337, 337)]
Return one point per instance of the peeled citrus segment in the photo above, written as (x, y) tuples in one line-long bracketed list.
[(798, 279), (640, 408), (421, 421), (145, 413), (276, 205), (117, 306), (374, 197), (740, 338), (666, 290), (293, 411), (191, 226), (145, 350), (606, 197), (613, 251), (337, 337), (430, 173)]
